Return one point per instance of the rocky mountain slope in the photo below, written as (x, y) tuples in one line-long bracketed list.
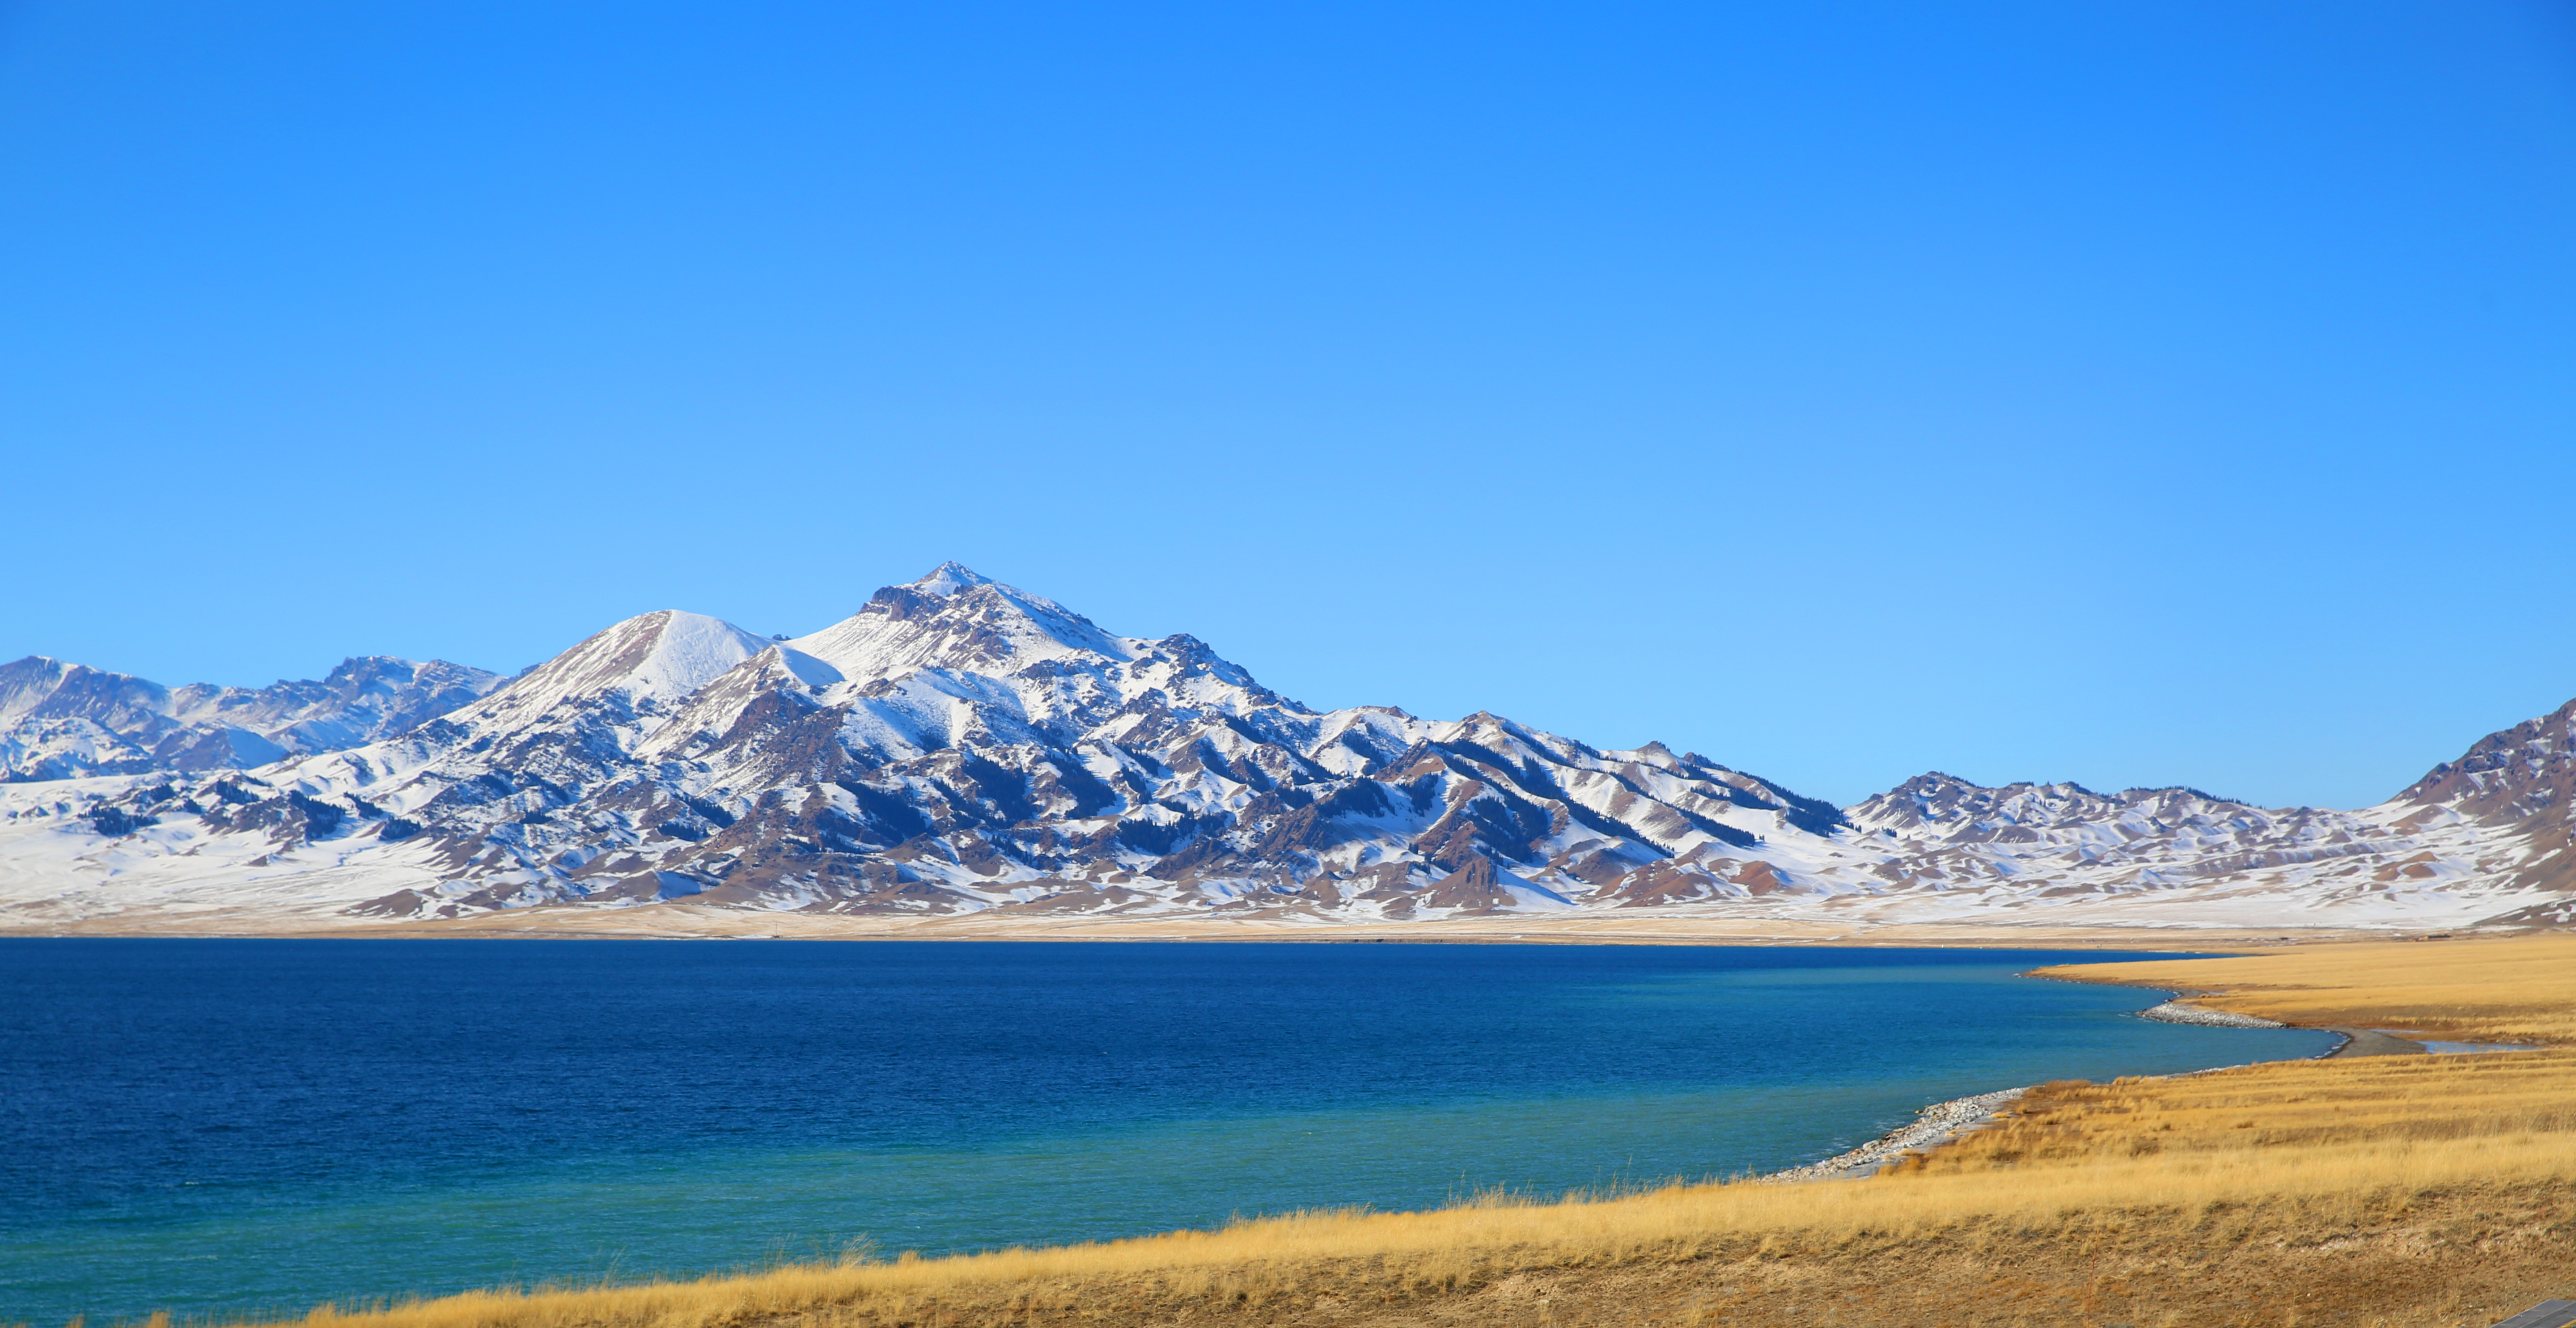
[(65, 721), (959, 745)]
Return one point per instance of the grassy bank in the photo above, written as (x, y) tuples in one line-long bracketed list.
[(2514, 990), (2389, 1191)]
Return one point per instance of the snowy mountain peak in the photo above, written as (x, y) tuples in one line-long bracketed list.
[(650, 661), (25, 683), (953, 619), (948, 578), (40, 686)]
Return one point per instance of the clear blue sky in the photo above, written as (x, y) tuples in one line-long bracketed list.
[(2128, 393)]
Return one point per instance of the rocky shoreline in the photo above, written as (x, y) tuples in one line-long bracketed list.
[(2178, 1012), (1934, 1126)]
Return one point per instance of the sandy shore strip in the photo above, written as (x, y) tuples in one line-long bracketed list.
[(1936, 1125), (678, 919)]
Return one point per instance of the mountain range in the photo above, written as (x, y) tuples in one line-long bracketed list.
[(961, 746), (65, 721)]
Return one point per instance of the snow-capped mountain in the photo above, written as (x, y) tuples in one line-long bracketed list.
[(2421, 858), (960, 746), (64, 721)]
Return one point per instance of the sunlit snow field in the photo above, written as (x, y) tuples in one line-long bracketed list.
[(228, 1126)]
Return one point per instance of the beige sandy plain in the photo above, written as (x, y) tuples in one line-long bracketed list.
[(677, 921)]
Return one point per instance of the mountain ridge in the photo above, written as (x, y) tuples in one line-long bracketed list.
[(60, 720), (959, 746)]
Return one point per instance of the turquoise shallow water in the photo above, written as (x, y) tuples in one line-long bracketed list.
[(223, 1127)]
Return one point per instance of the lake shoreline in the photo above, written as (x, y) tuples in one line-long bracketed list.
[(1947, 1121)]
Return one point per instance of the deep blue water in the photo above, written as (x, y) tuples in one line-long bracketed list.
[(218, 1127)]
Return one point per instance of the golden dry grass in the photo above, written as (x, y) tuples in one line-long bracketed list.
[(2394, 1191), (2521, 989), (2290, 1127)]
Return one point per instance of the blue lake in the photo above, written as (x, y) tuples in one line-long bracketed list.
[(226, 1127)]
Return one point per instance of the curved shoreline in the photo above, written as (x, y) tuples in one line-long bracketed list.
[(1944, 1122), (2354, 1041)]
